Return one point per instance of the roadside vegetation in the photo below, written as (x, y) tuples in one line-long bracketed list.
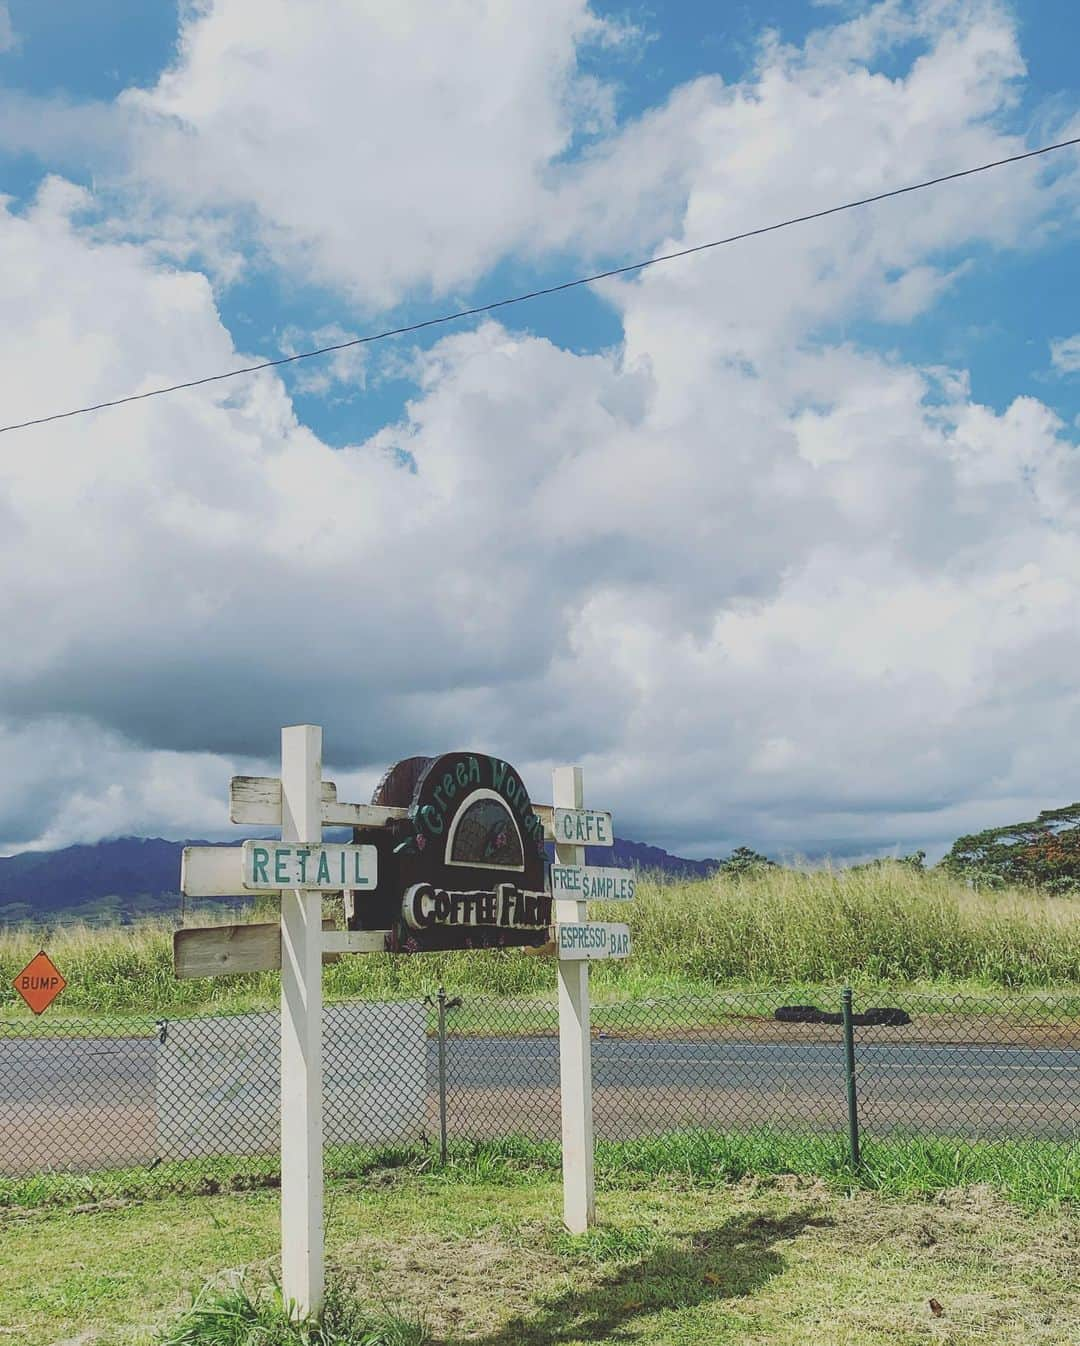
[(422, 1255), (882, 925), (1036, 1175)]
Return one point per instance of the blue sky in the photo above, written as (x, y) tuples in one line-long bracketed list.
[(997, 322), (775, 442)]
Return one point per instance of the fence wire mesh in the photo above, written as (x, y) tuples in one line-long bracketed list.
[(124, 1106)]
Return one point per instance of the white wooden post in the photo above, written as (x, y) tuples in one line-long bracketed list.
[(575, 1047), (301, 1034)]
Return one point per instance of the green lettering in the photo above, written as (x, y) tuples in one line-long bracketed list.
[(324, 869), (462, 774), (449, 788), (281, 874), (260, 858), (474, 770)]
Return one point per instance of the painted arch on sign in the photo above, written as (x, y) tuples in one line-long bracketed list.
[(485, 834)]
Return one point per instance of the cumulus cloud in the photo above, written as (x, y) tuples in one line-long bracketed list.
[(767, 584), (1065, 354), (363, 153)]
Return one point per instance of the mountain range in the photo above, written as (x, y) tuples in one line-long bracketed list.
[(126, 877)]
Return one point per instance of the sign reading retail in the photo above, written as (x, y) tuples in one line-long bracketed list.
[(272, 865), (464, 869), (40, 982)]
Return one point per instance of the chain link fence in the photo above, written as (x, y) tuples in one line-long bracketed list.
[(134, 1106)]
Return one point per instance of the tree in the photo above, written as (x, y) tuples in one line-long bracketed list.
[(1043, 853), (743, 862)]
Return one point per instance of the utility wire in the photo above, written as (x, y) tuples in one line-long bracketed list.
[(459, 314)]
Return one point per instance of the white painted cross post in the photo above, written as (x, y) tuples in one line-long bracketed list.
[(301, 1033), (575, 1048)]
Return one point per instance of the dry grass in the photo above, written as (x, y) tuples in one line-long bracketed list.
[(888, 925)]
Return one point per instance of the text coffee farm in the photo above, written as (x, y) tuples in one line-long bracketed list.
[(505, 908)]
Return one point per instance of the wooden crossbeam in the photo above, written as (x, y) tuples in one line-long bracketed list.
[(229, 950), (256, 802)]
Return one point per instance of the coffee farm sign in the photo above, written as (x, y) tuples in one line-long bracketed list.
[(464, 869), (449, 854)]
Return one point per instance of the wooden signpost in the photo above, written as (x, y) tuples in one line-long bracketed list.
[(448, 855)]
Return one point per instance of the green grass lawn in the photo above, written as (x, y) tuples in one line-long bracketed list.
[(482, 1258)]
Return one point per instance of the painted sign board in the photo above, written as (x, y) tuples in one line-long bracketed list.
[(465, 868), (582, 827), (269, 866), (587, 883), (40, 982), (577, 941)]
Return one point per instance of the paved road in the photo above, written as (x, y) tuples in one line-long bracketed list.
[(964, 1090), (88, 1090)]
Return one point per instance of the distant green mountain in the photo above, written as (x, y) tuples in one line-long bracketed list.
[(129, 877)]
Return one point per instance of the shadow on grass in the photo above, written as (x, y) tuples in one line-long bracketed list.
[(732, 1259)]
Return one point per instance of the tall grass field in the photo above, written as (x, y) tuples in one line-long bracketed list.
[(890, 925)]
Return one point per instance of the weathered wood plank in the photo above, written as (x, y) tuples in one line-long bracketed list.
[(256, 802), (228, 950), (337, 942), (336, 813), (212, 871)]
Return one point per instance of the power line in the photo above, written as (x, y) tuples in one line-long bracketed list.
[(460, 314)]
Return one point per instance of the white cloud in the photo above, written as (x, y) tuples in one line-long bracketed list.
[(374, 147), (1065, 354), (770, 587), (345, 369), (8, 37), (71, 781)]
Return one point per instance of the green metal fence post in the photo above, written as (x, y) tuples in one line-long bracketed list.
[(849, 1074), (442, 1073)]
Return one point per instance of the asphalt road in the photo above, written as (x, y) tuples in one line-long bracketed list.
[(640, 1085)]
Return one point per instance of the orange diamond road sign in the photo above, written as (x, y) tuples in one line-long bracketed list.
[(40, 982)]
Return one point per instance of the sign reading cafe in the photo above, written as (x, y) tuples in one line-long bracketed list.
[(465, 868)]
